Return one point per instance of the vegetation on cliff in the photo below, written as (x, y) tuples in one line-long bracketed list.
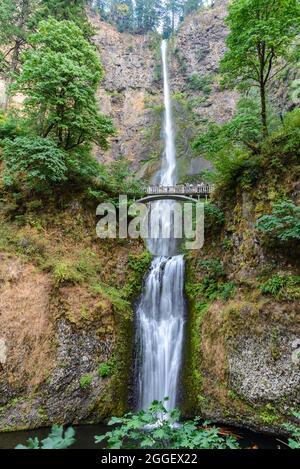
[(243, 290)]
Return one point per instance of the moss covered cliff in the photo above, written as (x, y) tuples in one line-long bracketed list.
[(66, 316), (242, 361)]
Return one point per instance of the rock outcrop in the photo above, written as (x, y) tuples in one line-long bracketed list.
[(128, 86)]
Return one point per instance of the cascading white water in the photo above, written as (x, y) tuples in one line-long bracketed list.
[(161, 310)]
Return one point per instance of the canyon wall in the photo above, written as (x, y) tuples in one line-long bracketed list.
[(65, 329)]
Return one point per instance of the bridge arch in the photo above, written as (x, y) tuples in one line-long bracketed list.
[(177, 197)]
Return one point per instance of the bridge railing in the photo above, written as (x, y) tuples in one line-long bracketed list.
[(186, 189)]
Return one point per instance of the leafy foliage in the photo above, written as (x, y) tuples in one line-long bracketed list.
[(85, 381), (213, 267), (243, 128), (282, 287), (283, 224), (214, 217), (57, 439), (65, 10), (156, 428), (65, 272), (33, 162), (106, 369), (200, 83), (294, 441), (60, 75), (258, 43)]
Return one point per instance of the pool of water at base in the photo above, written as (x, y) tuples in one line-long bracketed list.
[(85, 437)]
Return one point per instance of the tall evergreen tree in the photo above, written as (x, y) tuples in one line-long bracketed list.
[(174, 8), (147, 15), (121, 14)]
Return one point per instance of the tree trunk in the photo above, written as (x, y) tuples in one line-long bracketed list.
[(263, 109)]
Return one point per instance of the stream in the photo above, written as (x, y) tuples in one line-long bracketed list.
[(85, 438)]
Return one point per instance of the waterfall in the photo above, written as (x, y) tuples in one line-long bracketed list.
[(161, 310)]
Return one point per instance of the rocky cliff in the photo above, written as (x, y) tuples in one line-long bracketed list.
[(242, 358), (128, 92), (66, 315), (66, 319)]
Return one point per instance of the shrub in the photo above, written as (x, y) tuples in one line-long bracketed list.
[(85, 381), (57, 439), (294, 430), (10, 127), (213, 267), (156, 428), (198, 82), (65, 271), (34, 162), (214, 216), (106, 369), (283, 224), (282, 287)]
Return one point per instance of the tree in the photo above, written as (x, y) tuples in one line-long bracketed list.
[(70, 10), (166, 26), (121, 13), (174, 9), (60, 75), (147, 15), (192, 5), (261, 33), (15, 25)]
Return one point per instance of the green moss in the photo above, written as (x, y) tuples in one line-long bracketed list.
[(192, 378), (115, 402), (85, 381), (268, 415), (232, 394), (64, 271)]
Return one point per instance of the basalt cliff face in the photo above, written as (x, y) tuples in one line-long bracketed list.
[(131, 91), (126, 92), (66, 318)]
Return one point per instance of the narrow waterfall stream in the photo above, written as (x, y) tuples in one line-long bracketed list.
[(161, 310)]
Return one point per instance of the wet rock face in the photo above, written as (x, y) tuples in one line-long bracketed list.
[(250, 363), (262, 372), (129, 61), (199, 47), (61, 398), (79, 353)]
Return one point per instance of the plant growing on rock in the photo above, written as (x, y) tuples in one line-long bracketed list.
[(106, 369), (283, 224), (86, 381), (34, 162), (200, 83), (294, 430), (282, 287)]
